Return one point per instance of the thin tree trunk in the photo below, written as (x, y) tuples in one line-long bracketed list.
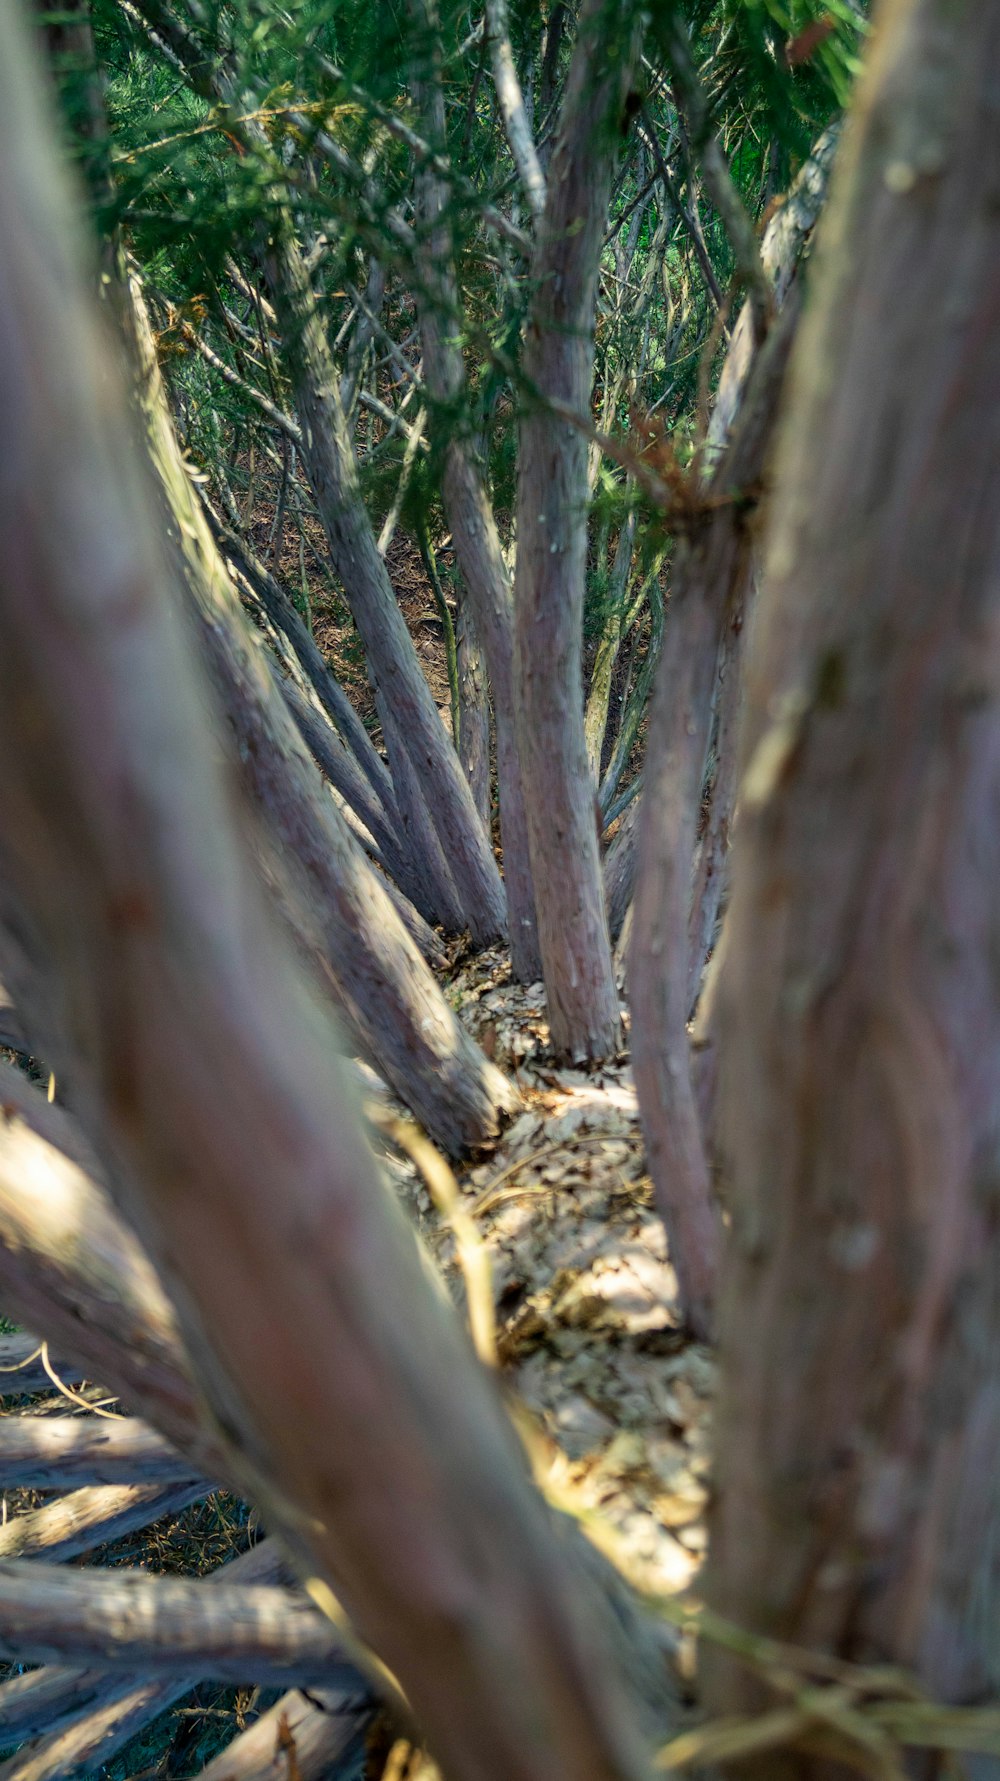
[(361, 1425), (711, 865), (595, 720), (473, 711), (410, 720), (582, 996), (485, 576), (859, 1440), (128, 1620), (92, 1704), (517, 125), (486, 580), (710, 574), (337, 764), (620, 868), (635, 709), (324, 683), (379, 976)]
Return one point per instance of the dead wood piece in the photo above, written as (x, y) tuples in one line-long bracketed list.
[(88, 1518), (302, 1738), (42, 1702), (126, 1620), (58, 1452)]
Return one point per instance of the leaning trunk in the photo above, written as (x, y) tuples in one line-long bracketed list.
[(410, 719), (378, 974)]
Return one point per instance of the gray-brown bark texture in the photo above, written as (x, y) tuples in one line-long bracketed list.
[(486, 581), (552, 543), (711, 573), (859, 1457), (339, 1381), (379, 976), (410, 721)]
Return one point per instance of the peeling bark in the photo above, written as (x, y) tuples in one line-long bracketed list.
[(859, 1436), (710, 576)]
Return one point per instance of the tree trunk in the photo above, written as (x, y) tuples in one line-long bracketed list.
[(595, 721), (128, 1620), (338, 1378), (410, 720), (324, 683), (485, 577), (710, 575), (378, 974), (473, 711), (859, 1443), (90, 1706), (517, 125), (582, 996), (620, 866), (70, 1268)]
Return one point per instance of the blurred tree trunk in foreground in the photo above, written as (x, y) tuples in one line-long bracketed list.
[(208, 1081), (859, 1455)]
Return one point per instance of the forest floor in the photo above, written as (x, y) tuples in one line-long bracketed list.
[(584, 1292)]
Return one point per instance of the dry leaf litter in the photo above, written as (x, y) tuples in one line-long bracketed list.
[(587, 1331)]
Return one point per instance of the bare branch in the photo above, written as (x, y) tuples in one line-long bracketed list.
[(61, 1452), (128, 1621)]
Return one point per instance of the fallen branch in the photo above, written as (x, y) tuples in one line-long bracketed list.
[(126, 1620), (94, 1517), (60, 1452)]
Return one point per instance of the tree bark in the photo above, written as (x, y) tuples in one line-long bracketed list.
[(859, 1437), (583, 1007), (61, 1452), (485, 577), (207, 1074), (91, 1704), (379, 976), (711, 572), (85, 1519), (410, 720), (473, 711), (126, 1620)]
